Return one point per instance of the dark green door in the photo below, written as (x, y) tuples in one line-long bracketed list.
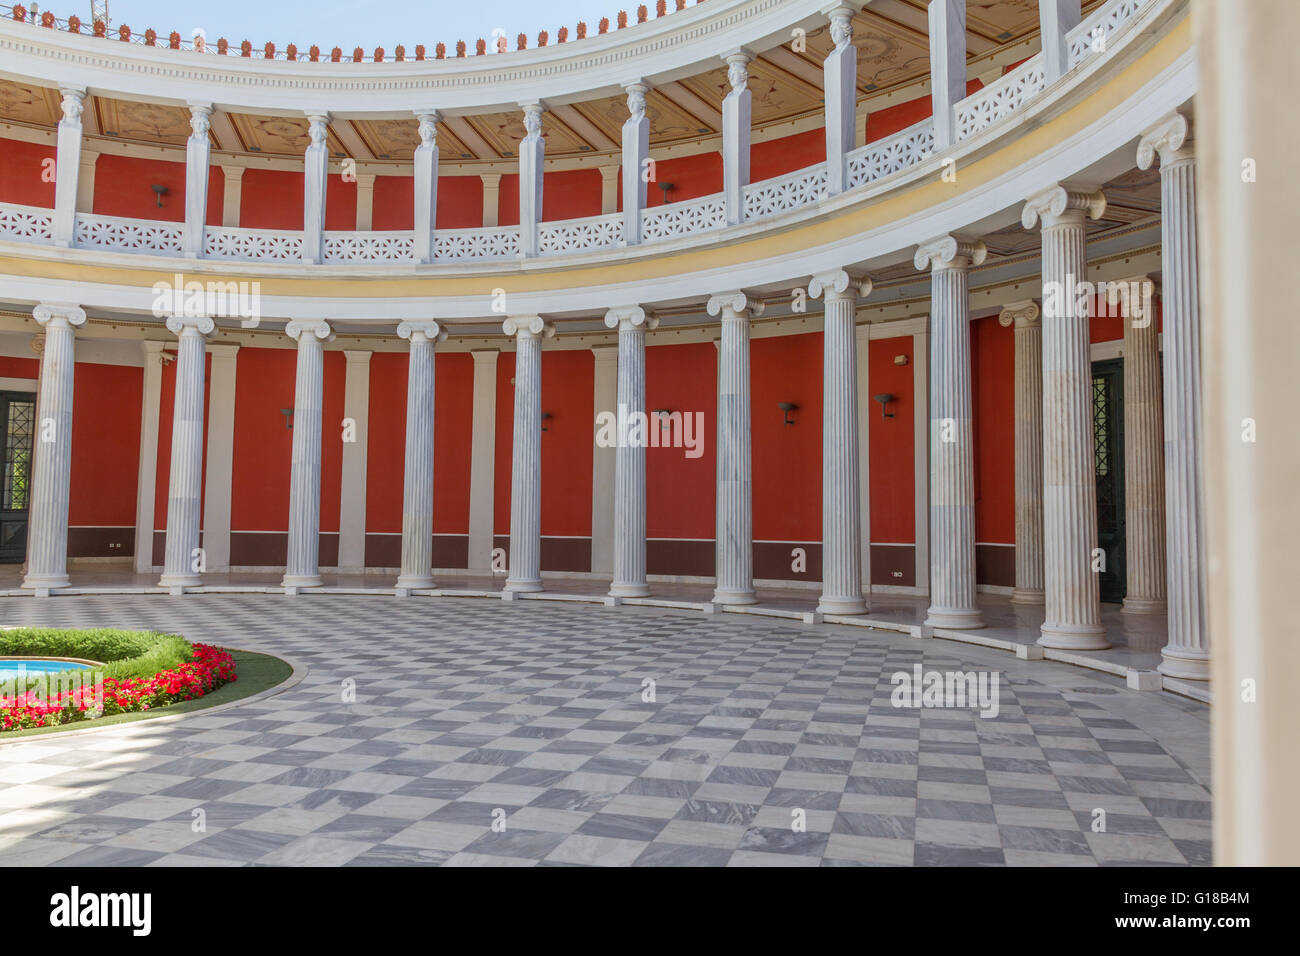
[(18, 413), (1108, 444)]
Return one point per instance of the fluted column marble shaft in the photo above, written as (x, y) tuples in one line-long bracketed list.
[(1144, 462), (629, 456), (526, 461), (952, 451), (417, 489), (1073, 603), (734, 555), (1029, 449), (841, 515), (183, 561), (302, 570), (47, 519), (1187, 655)]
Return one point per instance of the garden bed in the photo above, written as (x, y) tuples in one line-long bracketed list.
[(140, 671)]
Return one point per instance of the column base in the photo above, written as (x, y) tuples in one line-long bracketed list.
[(46, 582), (1079, 637), (179, 581), (523, 585), (301, 581), (413, 581), (1144, 606), (841, 605), (954, 618), (623, 589), (1185, 663), (1029, 596), (721, 596)]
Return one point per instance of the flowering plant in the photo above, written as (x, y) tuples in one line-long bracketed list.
[(210, 668)]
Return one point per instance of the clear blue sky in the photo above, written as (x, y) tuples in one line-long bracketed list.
[(347, 23)]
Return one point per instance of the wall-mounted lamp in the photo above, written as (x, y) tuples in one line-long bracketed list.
[(900, 359), (667, 188), (663, 416), (159, 192), (786, 409), (288, 417), (884, 401), (546, 417)]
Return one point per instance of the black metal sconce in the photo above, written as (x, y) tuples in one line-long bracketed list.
[(288, 417), (884, 401), (666, 187), (786, 409), (546, 417), (663, 416), (159, 192)]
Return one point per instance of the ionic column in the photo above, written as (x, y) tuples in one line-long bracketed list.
[(67, 166), (735, 520), (952, 452), (426, 184), (532, 153), (839, 82), (302, 570), (1144, 440), (417, 493), (1072, 596), (736, 108), (629, 460), (526, 462), (636, 151), (47, 519), (1187, 655), (315, 168), (841, 501), (198, 149), (1029, 449), (183, 559)]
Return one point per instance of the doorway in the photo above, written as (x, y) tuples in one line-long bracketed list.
[(1108, 456), (18, 413)]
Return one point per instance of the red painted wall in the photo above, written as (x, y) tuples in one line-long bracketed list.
[(893, 504), (264, 384), (386, 448), (166, 404), (340, 203), (460, 202), (22, 173), (679, 490), (568, 393), (272, 199), (571, 194), (780, 156), (993, 387), (508, 200), (19, 368), (896, 118), (787, 459), (105, 444), (123, 187), (691, 176)]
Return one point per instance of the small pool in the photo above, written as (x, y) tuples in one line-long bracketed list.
[(11, 669)]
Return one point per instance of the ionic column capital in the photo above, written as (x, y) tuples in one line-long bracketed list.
[(73, 102), (949, 252), (636, 93), (1171, 138), (627, 318), (317, 327), (733, 305), (417, 332), (738, 69), (200, 121), (1022, 314), (183, 325), (316, 127), (838, 284), (59, 316), (1059, 204), (526, 326), (533, 111), (841, 19), (428, 126)]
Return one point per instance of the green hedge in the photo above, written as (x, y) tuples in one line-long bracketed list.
[(126, 654)]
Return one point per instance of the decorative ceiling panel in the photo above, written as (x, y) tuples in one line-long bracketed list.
[(504, 131), (280, 135), (35, 105), (143, 122)]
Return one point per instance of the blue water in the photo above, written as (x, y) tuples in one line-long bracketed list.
[(10, 669)]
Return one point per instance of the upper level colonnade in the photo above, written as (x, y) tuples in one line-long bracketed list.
[(1086, 96)]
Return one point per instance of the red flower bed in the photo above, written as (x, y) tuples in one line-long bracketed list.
[(211, 668)]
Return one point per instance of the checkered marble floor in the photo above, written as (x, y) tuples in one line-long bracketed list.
[(443, 731)]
